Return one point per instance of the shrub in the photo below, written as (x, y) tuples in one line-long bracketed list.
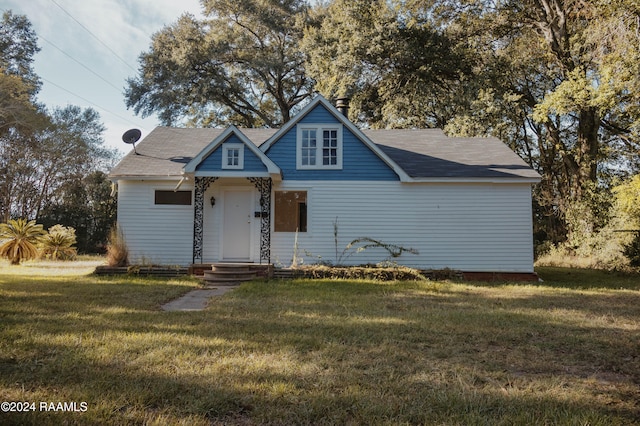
[(628, 203), (600, 237), (58, 243), (117, 250), (20, 239), (632, 251), (399, 273)]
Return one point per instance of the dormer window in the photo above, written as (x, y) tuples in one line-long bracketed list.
[(233, 156), (319, 147)]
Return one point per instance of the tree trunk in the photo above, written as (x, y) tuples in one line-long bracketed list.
[(588, 149)]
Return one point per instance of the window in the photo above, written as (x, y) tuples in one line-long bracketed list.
[(290, 211), (173, 198), (319, 147), (329, 147), (308, 147), (233, 156)]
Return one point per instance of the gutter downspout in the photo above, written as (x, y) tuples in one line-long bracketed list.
[(180, 184)]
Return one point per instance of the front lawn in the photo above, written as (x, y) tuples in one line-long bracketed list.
[(565, 351)]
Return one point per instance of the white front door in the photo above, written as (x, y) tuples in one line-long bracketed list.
[(237, 223)]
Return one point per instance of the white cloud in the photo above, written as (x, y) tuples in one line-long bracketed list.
[(125, 27)]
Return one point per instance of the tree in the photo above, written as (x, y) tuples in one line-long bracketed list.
[(240, 65), (16, 109), (19, 240), (20, 116), (18, 81), (73, 188), (399, 69), (614, 38), (87, 204), (40, 165), (18, 45), (595, 101)]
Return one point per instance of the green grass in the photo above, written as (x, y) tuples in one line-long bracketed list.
[(565, 351)]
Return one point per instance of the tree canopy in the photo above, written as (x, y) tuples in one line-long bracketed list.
[(240, 65), (399, 69), (18, 82)]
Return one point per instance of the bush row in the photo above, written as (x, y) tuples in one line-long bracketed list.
[(368, 272)]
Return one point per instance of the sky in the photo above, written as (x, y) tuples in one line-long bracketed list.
[(90, 47)]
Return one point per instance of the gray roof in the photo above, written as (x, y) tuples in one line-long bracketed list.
[(427, 153), (166, 150)]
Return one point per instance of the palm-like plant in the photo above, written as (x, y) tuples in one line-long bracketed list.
[(19, 239), (58, 243)]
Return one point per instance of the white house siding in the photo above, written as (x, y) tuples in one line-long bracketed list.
[(155, 234), (469, 227)]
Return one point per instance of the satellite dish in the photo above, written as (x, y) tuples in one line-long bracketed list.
[(132, 136)]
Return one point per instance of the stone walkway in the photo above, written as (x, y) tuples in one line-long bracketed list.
[(196, 300)]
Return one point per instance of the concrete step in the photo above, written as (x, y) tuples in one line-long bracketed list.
[(216, 283), (228, 274), (229, 271)]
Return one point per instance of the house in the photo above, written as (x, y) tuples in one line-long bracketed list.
[(189, 196)]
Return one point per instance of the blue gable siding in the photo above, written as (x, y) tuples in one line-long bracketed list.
[(213, 162), (358, 162)]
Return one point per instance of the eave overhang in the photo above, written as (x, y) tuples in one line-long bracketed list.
[(191, 168)]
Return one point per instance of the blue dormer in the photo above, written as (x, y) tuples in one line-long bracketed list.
[(322, 144), (232, 154)]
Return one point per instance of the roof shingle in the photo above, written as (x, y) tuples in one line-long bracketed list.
[(426, 153), (429, 153)]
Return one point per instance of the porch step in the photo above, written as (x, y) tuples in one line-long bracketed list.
[(229, 274)]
